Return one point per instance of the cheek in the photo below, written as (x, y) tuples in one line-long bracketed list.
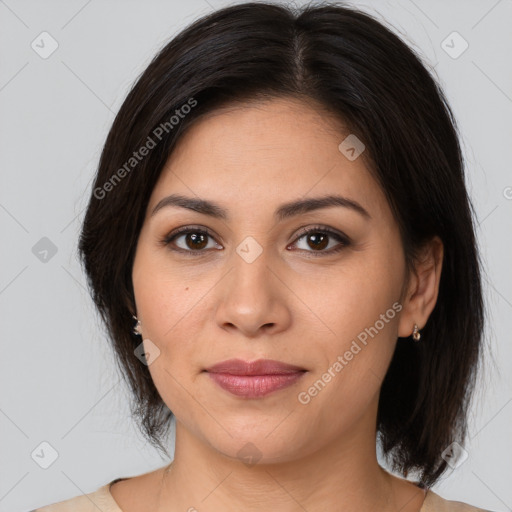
[(165, 296), (170, 309), (349, 377), (357, 311), (352, 297), (172, 315)]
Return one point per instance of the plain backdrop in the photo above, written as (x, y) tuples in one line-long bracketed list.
[(62, 401)]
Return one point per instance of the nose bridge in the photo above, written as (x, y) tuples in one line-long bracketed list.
[(251, 275)]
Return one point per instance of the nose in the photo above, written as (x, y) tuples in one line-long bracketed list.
[(253, 298)]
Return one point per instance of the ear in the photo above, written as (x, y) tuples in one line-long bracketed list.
[(421, 295)]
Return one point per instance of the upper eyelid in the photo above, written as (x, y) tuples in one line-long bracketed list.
[(305, 230), (188, 229)]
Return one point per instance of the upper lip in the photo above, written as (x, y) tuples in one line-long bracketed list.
[(258, 367)]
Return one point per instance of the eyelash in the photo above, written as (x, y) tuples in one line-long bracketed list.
[(343, 239)]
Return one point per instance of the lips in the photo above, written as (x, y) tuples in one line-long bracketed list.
[(254, 379), (259, 367)]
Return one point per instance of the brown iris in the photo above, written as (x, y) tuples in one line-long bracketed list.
[(197, 241), (320, 240)]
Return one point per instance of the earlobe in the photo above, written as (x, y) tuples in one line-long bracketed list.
[(424, 289)]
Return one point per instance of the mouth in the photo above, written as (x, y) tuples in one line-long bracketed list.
[(254, 379)]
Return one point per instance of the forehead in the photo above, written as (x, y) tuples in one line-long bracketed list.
[(264, 152)]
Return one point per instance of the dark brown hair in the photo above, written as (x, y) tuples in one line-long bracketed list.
[(357, 69)]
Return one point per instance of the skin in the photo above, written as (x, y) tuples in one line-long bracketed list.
[(286, 305)]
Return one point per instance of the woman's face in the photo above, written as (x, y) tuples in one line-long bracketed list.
[(256, 287)]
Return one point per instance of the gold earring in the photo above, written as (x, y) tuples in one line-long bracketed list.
[(136, 329), (415, 333)]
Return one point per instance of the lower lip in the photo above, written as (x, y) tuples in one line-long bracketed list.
[(254, 386)]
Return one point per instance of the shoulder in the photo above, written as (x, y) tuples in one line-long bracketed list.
[(434, 503), (104, 500), (101, 499)]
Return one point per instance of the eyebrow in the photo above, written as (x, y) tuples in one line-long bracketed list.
[(285, 211)]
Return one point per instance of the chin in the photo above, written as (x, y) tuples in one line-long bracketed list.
[(252, 446)]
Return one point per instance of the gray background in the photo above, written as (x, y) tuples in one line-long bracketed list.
[(58, 381)]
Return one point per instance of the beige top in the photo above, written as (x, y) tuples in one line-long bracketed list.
[(104, 501)]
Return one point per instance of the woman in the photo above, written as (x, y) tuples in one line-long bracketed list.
[(280, 242)]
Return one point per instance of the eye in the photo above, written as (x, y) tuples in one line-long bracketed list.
[(194, 240), (319, 237)]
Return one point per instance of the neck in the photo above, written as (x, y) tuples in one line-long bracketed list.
[(343, 475)]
